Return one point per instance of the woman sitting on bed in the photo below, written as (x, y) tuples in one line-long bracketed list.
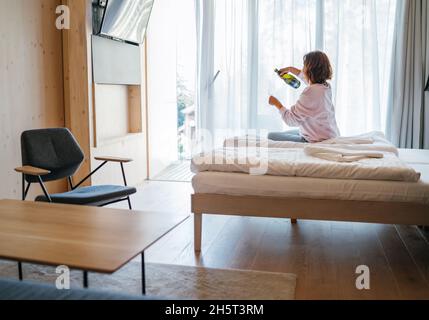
[(314, 113)]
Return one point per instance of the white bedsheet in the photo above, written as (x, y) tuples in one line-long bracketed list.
[(289, 159), (240, 184), (373, 141)]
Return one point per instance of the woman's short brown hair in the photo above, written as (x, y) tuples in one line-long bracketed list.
[(317, 67)]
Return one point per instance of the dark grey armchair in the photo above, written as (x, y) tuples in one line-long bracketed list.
[(53, 154)]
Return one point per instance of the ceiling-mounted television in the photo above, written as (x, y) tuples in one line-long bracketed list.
[(125, 20)]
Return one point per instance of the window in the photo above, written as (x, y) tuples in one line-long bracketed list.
[(186, 76), (171, 70), (252, 38)]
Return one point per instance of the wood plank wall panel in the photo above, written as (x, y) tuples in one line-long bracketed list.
[(135, 119), (31, 82), (77, 81)]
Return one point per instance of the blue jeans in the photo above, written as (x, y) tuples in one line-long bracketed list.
[(292, 135)]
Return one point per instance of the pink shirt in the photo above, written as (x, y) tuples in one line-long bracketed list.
[(314, 114)]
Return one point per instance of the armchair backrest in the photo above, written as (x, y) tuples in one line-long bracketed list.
[(53, 149)]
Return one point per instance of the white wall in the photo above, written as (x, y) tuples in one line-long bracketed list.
[(162, 104), (130, 147), (112, 111), (112, 132)]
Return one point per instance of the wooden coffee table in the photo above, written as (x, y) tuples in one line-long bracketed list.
[(93, 239)]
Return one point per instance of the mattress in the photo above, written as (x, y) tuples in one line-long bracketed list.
[(240, 184)]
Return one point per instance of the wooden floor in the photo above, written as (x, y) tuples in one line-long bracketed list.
[(179, 171), (324, 255)]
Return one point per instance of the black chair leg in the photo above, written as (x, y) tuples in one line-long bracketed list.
[(143, 267), (126, 184), (20, 274), (85, 279)]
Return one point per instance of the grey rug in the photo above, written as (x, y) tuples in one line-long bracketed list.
[(173, 281)]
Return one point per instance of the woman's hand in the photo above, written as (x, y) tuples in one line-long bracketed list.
[(293, 70), (275, 102)]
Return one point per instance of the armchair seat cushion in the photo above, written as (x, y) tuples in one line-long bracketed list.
[(94, 195)]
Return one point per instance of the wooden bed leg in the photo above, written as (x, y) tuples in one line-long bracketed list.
[(198, 221), (294, 221)]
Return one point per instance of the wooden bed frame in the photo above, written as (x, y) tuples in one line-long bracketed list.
[(307, 209)]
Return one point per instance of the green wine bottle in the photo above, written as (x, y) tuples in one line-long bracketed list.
[(289, 79)]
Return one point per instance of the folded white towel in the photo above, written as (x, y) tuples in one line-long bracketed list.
[(349, 140), (340, 154), (374, 137)]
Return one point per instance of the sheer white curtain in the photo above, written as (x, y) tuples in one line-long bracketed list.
[(246, 39), (287, 31), (358, 37)]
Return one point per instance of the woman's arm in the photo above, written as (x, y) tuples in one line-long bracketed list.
[(293, 117), (288, 116), (299, 113), (275, 102), (292, 70)]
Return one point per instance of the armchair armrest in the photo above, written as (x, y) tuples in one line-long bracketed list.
[(32, 171), (105, 160), (114, 159)]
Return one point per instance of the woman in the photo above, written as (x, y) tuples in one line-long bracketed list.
[(314, 113)]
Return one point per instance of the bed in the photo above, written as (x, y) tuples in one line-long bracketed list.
[(371, 201)]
